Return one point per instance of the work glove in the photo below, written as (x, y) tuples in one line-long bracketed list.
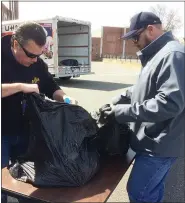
[(107, 113)]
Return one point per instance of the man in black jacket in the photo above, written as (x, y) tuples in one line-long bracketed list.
[(23, 72), (155, 108)]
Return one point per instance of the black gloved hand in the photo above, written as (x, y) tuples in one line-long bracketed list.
[(107, 113)]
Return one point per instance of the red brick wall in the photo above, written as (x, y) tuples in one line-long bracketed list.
[(111, 42), (95, 53), (130, 48), (113, 45)]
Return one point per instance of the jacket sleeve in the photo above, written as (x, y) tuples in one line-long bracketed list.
[(169, 100)]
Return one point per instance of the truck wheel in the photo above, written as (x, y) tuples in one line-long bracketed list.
[(65, 78)]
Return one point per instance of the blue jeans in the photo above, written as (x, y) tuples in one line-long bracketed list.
[(12, 146), (146, 181)]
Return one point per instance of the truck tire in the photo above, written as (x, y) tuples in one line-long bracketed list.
[(65, 78)]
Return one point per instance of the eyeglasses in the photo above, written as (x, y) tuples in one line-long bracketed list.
[(136, 37), (28, 54)]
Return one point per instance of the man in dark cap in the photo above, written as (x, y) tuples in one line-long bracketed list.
[(155, 107)]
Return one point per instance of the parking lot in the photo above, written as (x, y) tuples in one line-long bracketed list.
[(92, 91)]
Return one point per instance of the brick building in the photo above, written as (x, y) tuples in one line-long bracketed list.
[(9, 10), (130, 48), (113, 45), (96, 43), (110, 44)]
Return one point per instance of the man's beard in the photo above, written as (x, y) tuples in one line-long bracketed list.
[(145, 44)]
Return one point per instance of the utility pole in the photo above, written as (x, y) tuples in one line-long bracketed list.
[(124, 43)]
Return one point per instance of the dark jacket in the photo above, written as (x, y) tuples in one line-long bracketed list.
[(156, 113)]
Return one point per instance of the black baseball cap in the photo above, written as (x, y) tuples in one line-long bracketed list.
[(141, 20)]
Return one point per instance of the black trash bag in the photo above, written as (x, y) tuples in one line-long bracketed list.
[(112, 138), (69, 62), (60, 152)]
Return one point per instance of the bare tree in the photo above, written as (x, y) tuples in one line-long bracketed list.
[(170, 19)]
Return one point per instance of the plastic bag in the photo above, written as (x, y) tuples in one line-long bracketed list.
[(60, 152), (112, 138)]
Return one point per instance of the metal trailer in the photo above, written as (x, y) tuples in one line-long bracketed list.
[(67, 38)]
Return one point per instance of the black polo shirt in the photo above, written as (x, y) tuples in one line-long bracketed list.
[(13, 72)]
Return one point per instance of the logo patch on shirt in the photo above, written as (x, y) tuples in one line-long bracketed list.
[(35, 80)]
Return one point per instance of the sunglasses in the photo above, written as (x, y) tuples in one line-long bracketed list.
[(136, 37), (28, 54)]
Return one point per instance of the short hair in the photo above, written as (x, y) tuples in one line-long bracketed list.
[(159, 26), (30, 31)]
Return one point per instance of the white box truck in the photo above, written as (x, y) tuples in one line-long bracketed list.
[(68, 47)]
